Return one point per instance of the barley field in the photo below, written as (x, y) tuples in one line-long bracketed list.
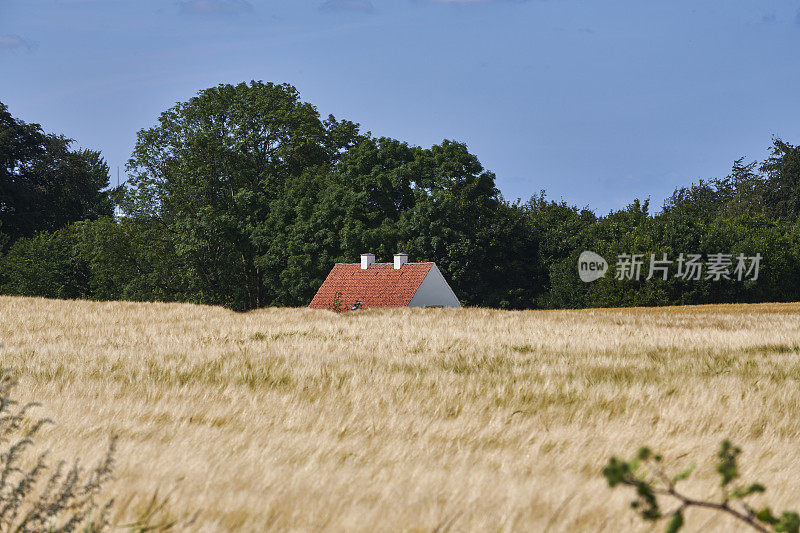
[(408, 419)]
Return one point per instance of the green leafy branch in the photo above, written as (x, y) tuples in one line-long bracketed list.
[(336, 305), (645, 473)]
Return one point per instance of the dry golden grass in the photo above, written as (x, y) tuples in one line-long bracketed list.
[(413, 420)]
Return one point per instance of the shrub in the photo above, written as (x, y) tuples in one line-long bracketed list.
[(34, 496), (47, 265)]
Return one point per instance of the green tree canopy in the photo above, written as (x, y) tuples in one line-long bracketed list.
[(45, 185), (782, 170), (244, 196), (211, 171), (260, 197)]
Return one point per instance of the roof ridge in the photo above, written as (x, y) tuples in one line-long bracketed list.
[(379, 285), (391, 263)]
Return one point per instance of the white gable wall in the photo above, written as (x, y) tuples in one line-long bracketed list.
[(434, 291)]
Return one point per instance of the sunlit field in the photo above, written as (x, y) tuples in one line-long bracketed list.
[(408, 419)]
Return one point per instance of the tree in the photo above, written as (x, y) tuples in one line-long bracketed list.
[(47, 265), (333, 214), (130, 259), (260, 197), (563, 232), (436, 204), (211, 173), (44, 185), (782, 170), (485, 246)]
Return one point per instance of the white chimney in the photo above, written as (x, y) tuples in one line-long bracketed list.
[(367, 260), (400, 260)]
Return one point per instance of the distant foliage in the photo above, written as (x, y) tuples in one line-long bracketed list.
[(749, 211), (645, 474), (258, 197), (245, 196), (44, 183)]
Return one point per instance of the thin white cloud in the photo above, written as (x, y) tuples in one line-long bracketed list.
[(214, 7), (472, 1), (359, 6), (15, 42)]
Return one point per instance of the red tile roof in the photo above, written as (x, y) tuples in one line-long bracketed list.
[(379, 285)]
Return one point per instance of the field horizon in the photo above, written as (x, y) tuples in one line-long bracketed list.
[(408, 419)]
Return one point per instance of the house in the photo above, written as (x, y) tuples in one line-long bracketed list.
[(370, 284)]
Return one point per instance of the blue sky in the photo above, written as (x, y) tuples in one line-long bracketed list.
[(596, 102)]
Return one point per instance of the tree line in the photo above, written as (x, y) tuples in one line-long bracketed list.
[(244, 196)]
